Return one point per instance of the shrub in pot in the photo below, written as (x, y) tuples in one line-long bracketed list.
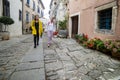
[(116, 49), (82, 38), (90, 44), (62, 25), (6, 21), (76, 36), (101, 47), (113, 46), (63, 28)]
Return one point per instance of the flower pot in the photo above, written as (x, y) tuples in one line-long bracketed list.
[(77, 40), (5, 35), (106, 51), (62, 33), (116, 54)]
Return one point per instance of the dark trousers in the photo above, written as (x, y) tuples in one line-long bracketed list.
[(36, 39)]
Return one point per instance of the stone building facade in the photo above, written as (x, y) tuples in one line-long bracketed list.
[(30, 9), (95, 18), (58, 9), (22, 12), (13, 9)]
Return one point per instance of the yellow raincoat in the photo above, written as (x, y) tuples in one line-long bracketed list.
[(34, 32)]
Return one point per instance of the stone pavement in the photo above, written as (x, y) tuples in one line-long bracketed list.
[(32, 66), (63, 60), (11, 52), (20, 61), (67, 60), (8, 43)]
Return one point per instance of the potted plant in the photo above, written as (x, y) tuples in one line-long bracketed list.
[(62, 24), (76, 37), (101, 47), (63, 28), (116, 49), (5, 21), (90, 44)]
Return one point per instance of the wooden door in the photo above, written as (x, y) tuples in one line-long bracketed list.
[(74, 25)]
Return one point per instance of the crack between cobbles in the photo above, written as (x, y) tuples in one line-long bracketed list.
[(28, 69)]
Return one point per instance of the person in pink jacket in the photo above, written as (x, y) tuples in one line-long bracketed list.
[(50, 29)]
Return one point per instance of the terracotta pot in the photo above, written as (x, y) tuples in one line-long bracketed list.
[(106, 51), (5, 35), (116, 55)]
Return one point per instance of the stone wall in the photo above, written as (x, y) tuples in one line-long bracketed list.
[(88, 17), (16, 28)]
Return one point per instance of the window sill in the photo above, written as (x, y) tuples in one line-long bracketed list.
[(33, 9), (27, 21), (104, 31), (27, 5)]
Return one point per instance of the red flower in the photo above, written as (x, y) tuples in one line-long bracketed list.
[(90, 45), (86, 36), (55, 33)]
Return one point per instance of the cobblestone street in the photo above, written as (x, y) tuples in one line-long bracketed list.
[(67, 60), (63, 60), (11, 53), (59, 39)]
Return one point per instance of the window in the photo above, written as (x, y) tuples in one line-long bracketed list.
[(27, 16), (55, 3), (6, 8), (20, 15), (38, 2), (38, 9), (105, 19), (32, 16), (28, 2), (34, 5), (42, 13)]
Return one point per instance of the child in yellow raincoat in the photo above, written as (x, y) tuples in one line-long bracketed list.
[(37, 30)]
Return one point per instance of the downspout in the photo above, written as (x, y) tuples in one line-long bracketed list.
[(117, 2), (22, 16), (117, 5)]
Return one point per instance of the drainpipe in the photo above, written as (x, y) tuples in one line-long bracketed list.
[(117, 2), (22, 16)]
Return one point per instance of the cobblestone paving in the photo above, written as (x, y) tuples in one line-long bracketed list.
[(67, 60), (11, 55)]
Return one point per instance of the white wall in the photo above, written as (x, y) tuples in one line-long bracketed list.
[(31, 4), (16, 28), (1, 7), (60, 12)]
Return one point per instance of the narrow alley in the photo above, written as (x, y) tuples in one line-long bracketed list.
[(59, 39)]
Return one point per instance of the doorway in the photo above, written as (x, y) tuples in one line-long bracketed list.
[(74, 25)]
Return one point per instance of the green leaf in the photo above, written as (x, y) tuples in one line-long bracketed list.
[(6, 20)]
